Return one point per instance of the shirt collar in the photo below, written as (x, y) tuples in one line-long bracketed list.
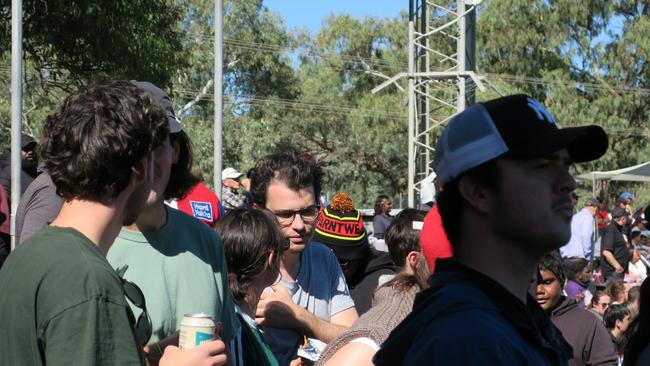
[(528, 319)]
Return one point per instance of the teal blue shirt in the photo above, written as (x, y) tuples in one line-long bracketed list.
[(181, 268)]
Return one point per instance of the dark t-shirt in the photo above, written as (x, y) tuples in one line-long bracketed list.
[(380, 224), (614, 241), (61, 303), (362, 294)]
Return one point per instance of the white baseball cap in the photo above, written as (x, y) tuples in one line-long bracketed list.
[(230, 173)]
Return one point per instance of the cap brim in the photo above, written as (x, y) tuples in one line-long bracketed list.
[(174, 123), (232, 176), (584, 143)]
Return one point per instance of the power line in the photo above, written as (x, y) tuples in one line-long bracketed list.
[(572, 84)]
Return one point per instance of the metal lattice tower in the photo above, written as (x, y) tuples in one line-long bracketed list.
[(441, 77)]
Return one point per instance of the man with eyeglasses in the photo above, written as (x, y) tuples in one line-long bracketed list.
[(62, 303), (312, 299)]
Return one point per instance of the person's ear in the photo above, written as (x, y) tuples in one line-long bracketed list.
[(412, 258), (474, 193), (142, 169)]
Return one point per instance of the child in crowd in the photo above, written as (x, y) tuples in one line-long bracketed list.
[(253, 245), (587, 336)]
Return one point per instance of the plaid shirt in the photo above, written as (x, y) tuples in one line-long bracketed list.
[(231, 198)]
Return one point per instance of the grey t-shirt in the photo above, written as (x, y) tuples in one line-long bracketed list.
[(319, 288), (380, 224), (38, 206)]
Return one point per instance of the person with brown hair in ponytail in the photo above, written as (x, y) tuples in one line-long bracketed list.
[(253, 244), (393, 300)]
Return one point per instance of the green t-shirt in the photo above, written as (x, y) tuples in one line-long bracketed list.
[(61, 303), (181, 269)]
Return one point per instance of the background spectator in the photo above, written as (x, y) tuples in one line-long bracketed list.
[(599, 303), (231, 197), (578, 285), (637, 352), (393, 300), (29, 164), (382, 218), (602, 216), (584, 332), (340, 227), (201, 203)]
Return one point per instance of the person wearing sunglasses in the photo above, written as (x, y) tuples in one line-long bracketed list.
[(176, 259), (311, 300), (63, 303)]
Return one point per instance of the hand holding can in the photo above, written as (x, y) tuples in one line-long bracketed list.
[(197, 329), (212, 353)]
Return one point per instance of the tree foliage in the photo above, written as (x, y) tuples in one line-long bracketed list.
[(587, 61), (70, 43), (85, 40)]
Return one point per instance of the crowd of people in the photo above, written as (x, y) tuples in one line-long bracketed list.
[(607, 282), (119, 239)]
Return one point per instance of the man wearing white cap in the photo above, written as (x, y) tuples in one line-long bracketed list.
[(230, 195)]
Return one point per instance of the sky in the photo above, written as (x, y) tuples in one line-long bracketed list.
[(310, 13)]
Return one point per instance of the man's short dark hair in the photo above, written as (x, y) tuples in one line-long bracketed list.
[(401, 237), (92, 142), (298, 170), (451, 203), (181, 178), (613, 313), (552, 262), (574, 266)]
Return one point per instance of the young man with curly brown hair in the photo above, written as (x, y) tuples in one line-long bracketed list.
[(62, 303)]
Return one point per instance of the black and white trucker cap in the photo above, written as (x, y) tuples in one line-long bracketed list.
[(515, 126)]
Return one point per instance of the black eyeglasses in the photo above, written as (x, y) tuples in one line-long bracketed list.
[(143, 326), (286, 217)]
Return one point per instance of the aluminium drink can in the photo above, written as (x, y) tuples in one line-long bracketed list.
[(196, 329)]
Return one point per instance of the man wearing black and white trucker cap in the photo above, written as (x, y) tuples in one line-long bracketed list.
[(504, 168)]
